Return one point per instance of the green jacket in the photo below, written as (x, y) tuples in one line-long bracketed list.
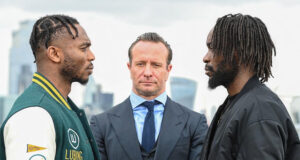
[(74, 139)]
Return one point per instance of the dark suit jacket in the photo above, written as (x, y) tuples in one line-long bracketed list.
[(181, 135)]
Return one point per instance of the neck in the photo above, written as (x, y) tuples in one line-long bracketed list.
[(242, 77), (61, 84), (148, 98)]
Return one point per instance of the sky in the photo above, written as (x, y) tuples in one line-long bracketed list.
[(113, 25)]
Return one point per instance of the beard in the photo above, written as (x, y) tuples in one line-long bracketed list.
[(224, 74), (71, 71)]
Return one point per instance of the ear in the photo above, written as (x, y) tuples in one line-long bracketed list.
[(128, 65), (54, 54), (236, 56), (169, 68), (129, 68)]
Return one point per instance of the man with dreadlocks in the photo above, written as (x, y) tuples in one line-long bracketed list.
[(44, 123), (252, 123)]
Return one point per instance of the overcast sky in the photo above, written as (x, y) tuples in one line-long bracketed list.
[(113, 25)]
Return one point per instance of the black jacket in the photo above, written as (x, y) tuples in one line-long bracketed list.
[(257, 126)]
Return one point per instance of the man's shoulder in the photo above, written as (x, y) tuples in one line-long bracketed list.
[(114, 110), (185, 109), (33, 95), (262, 95), (261, 103)]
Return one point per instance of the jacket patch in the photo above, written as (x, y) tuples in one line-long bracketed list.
[(37, 157), (73, 155), (73, 138), (33, 148)]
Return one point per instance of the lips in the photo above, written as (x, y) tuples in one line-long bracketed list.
[(91, 66), (208, 70), (208, 73), (147, 82)]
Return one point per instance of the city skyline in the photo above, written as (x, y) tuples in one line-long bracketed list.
[(184, 25)]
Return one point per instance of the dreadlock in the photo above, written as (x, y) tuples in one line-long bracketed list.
[(46, 28), (249, 38)]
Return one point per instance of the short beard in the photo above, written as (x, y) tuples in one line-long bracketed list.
[(223, 75), (69, 72)]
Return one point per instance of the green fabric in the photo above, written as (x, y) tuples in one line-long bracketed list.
[(69, 125)]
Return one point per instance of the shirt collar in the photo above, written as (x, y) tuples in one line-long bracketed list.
[(137, 100)]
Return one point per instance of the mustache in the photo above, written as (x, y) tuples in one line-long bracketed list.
[(91, 66), (209, 68)]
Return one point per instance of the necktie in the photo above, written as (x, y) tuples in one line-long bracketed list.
[(148, 138)]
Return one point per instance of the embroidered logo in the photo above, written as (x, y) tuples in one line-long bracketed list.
[(33, 148), (37, 157), (73, 138)]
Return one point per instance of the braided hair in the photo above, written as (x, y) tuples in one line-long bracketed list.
[(249, 38), (48, 28)]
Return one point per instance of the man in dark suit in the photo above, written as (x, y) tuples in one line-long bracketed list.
[(148, 124)]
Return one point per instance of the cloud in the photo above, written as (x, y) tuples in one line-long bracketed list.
[(146, 12)]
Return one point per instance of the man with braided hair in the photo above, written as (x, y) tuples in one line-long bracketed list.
[(252, 123), (44, 123)]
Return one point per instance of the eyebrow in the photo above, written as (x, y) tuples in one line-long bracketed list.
[(86, 44)]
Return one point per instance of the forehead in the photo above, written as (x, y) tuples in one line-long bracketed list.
[(154, 49), (82, 36), (81, 33), (209, 36)]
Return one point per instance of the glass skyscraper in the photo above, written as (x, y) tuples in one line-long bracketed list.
[(21, 66), (183, 91), (94, 100), (295, 112)]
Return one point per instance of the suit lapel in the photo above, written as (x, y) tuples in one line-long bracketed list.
[(124, 125), (173, 122)]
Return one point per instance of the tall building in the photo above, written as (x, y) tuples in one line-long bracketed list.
[(1, 110), (90, 90), (183, 91), (94, 100), (6, 103), (21, 66), (295, 112)]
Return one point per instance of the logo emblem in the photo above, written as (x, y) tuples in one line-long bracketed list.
[(33, 148), (37, 157), (73, 138)]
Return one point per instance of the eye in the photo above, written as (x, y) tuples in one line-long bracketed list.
[(156, 65), (139, 64), (84, 49), (209, 46)]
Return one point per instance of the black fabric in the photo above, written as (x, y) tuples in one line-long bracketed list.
[(149, 155), (256, 127), (222, 110)]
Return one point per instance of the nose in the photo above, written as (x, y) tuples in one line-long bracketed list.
[(207, 57), (148, 70), (91, 56)]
